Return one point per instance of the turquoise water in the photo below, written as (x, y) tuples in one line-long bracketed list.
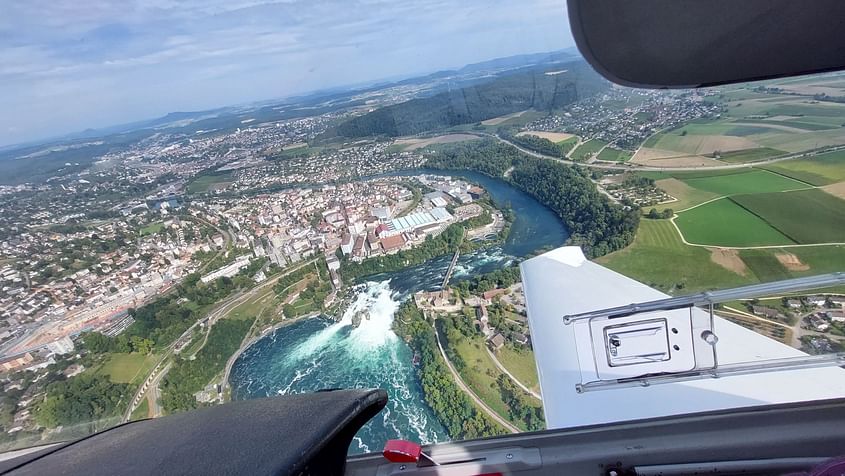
[(318, 353)]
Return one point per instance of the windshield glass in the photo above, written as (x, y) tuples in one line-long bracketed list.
[(205, 202)]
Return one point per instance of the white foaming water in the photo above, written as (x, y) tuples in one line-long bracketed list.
[(378, 308)]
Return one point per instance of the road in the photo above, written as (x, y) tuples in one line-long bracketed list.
[(154, 394), (630, 167), (458, 380), (511, 376), (221, 310)]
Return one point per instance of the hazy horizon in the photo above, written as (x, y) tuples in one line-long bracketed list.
[(67, 69)]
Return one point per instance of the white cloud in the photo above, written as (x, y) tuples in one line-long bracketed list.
[(164, 55)]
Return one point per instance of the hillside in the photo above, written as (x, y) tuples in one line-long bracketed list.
[(506, 94)]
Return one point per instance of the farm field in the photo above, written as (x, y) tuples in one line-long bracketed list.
[(659, 258), (724, 223), (587, 149), (614, 155), (806, 216), (686, 196), (750, 155), (764, 264), (556, 137), (746, 181), (822, 169), (418, 143)]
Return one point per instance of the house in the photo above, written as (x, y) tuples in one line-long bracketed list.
[(346, 243), (836, 315), (766, 312), (481, 313), (488, 295), (475, 192), (819, 324), (392, 243), (358, 249), (520, 338), (373, 243), (817, 301), (332, 262), (497, 341), (794, 303), (16, 361), (382, 230), (837, 301)]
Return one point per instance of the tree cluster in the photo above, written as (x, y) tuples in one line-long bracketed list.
[(81, 399)]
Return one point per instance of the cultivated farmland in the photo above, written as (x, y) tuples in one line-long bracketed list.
[(822, 169), (659, 258), (724, 223), (806, 216), (749, 181)]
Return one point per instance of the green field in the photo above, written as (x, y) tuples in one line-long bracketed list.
[(750, 155), (747, 181), (125, 368), (764, 265), (805, 216), (202, 183), (588, 148), (151, 229), (822, 169), (141, 412), (685, 195), (807, 126), (820, 259), (615, 155), (724, 223), (521, 363), (660, 259)]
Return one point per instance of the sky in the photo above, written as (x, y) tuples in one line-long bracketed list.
[(69, 65)]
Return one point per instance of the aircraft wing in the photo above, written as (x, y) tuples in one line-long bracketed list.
[(563, 282)]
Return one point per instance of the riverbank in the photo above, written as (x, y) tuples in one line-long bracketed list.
[(250, 342)]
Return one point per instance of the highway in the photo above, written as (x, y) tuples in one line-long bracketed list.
[(630, 167)]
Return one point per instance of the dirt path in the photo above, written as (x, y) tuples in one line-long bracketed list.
[(459, 381), (512, 377)]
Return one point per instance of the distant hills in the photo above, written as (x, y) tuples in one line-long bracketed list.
[(471, 93), (542, 88)]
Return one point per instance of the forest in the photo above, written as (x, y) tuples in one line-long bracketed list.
[(537, 144), (513, 92), (595, 223), (452, 407), (190, 376), (81, 399)]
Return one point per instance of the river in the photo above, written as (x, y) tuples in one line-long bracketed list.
[(318, 353)]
